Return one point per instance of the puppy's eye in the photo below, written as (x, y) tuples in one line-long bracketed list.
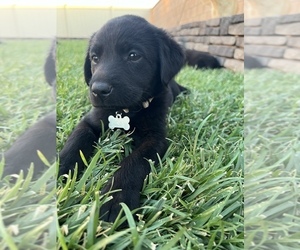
[(95, 59), (133, 56)]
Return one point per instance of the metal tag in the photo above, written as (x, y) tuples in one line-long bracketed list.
[(118, 122)]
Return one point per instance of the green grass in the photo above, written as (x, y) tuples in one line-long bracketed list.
[(25, 95), (192, 200), (27, 207), (272, 156)]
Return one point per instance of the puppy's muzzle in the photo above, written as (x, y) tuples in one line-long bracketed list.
[(101, 89)]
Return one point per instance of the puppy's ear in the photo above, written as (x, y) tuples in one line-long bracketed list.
[(87, 68), (171, 55), (50, 65), (87, 64)]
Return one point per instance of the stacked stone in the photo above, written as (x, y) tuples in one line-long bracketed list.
[(221, 37), (274, 41)]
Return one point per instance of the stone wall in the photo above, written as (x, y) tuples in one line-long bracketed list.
[(222, 37), (274, 41)]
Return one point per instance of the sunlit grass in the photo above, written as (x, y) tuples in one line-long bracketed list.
[(193, 199), (27, 207), (272, 156)]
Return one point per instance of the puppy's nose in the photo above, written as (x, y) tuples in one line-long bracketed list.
[(101, 89)]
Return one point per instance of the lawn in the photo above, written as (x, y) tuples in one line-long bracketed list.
[(193, 199), (272, 156), (27, 207), (25, 95)]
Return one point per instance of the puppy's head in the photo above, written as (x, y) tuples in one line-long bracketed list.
[(128, 62)]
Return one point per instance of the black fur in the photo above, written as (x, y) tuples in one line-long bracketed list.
[(128, 62), (201, 60), (40, 136)]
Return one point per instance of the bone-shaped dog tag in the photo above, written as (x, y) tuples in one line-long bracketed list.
[(119, 122)]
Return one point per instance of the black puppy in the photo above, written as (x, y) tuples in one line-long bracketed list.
[(201, 59), (40, 136), (129, 68), (251, 62)]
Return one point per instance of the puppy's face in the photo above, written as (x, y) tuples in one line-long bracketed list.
[(124, 63)]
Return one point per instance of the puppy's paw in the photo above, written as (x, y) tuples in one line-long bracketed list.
[(64, 168), (110, 210)]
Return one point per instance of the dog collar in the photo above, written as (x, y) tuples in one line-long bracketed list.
[(118, 121), (145, 105)]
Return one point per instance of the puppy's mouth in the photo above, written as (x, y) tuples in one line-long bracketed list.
[(126, 109), (145, 105), (114, 96)]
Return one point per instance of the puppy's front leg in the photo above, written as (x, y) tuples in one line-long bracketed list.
[(83, 139), (130, 177)]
